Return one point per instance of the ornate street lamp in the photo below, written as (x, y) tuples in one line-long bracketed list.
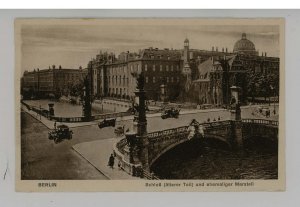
[(136, 150)]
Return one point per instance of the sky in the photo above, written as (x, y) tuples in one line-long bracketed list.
[(73, 45)]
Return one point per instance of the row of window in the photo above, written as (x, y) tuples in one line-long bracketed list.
[(118, 91), (167, 79), (117, 80), (137, 67), (167, 68)]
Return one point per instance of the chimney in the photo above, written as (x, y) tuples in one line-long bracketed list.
[(226, 50), (222, 49), (262, 54), (217, 49), (53, 66), (213, 48), (265, 54), (59, 66)]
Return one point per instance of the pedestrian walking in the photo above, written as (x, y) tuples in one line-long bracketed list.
[(55, 125), (111, 161), (119, 165)]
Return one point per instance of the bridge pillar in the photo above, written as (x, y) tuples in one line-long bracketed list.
[(236, 121), (141, 122), (237, 134)]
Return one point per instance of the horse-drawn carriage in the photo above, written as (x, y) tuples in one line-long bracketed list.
[(60, 133)]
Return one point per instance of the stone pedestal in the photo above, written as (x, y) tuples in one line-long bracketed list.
[(238, 134), (236, 121)]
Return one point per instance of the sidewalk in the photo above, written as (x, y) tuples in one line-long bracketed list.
[(97, 154)]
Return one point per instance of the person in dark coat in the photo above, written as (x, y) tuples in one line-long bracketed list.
[(111, 161)]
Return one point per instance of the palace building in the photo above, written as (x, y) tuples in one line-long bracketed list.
[(184, 75), (193, 75)]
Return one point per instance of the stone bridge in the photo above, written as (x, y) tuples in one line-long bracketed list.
[(232, 132), (139, 149)]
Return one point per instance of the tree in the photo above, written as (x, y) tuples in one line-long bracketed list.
[(77, 89)]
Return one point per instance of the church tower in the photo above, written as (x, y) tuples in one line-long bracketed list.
[(186, 57), (186, 65)]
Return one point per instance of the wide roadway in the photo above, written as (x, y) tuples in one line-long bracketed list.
[(43, 159)]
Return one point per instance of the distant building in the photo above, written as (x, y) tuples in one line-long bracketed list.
[(54, 81), (217, 71), (244, 46), (114, 77), (201, 76)]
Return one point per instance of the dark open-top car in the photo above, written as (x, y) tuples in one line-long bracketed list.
[(61, 132), (170, 113), (107, 123)]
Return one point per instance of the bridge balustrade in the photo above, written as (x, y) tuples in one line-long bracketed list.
[(173, 131), (148, 175), (121, 144), (260, 121)]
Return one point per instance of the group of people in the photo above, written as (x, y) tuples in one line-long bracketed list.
[(263, 112), (219, 118)]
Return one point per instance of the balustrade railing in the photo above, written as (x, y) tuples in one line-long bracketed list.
[(167, 132), (148, 175), (121, 144), (215, 124), (260, 121)]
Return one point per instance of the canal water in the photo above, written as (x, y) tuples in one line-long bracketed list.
[(212, 159), (64, 109)]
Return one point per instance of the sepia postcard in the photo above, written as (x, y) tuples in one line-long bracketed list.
[(150, 104)]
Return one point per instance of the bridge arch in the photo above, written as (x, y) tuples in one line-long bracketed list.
[(166, 149), (206, 138)]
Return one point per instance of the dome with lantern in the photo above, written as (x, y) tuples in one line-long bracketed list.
[(244, 46)]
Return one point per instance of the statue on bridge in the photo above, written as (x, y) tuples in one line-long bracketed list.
[(196, 130)]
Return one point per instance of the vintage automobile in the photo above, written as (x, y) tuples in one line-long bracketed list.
[(170, 113), (107, 123), (61, 132), (119, 130)]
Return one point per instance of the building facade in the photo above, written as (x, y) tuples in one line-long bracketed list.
[(193, 75), (115, 77), (54, 81)]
